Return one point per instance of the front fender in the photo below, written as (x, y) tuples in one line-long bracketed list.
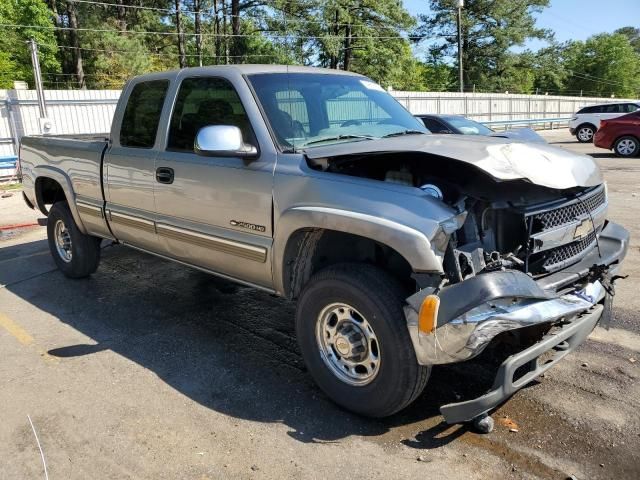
[(47, 171), (412, 244)]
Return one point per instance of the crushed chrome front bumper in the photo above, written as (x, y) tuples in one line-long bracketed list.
[(466, 336), (571, 301), (523, 367), (473, 312)]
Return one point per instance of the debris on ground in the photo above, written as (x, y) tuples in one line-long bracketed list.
[(509, 423)]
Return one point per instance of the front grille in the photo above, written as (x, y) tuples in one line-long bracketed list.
[(556, 222), (560, 256), (569, 213)]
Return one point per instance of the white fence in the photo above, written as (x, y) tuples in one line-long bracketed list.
[(90, 111), (70, 112)]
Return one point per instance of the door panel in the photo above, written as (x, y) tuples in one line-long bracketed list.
[(130, 166), (217, 214), (130, 199)]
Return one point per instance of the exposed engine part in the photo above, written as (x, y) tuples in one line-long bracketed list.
[(469, 261), (432, 190), (501, 224), (401, 177)]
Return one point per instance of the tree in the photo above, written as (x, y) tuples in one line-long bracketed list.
[(633, 34), (15, 60), (489, 30), (549, 70), (603, 65)]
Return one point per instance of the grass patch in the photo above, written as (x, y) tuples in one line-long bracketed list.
[(10, 186)]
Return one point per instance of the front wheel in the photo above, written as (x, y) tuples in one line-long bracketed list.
[(77, 255), (354, 339), (626, 147)]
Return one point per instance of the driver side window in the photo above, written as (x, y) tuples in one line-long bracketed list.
[(204, 101)]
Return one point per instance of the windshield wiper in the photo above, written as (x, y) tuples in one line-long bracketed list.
[(337, 137), (404, 132)]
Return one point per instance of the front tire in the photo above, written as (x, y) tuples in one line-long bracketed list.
[(354, 339), (77, 255), (626, 147), (585, 133)]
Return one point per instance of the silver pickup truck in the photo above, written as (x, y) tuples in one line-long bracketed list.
[(403, 249)]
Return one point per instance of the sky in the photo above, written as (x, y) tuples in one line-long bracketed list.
[(571, 19)]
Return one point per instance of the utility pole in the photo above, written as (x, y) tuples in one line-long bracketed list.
[(37, 77), (459, 5)]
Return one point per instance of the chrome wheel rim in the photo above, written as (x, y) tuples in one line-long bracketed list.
[(585, 133), (626, 147), (348, 345), (63, 241)]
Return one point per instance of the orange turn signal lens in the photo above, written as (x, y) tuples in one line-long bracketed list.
[(428, 316)]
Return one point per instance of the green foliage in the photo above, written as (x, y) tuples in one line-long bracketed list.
[(633, 34), (365, 36), (605, 64), (15, 63), (489, 30)]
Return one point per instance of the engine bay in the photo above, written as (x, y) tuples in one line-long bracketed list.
[(511, 224)]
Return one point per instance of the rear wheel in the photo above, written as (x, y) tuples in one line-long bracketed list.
[(585, 133), (77, 255), (626, 147), (354, 339)]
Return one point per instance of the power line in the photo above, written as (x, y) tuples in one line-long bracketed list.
[(167, 54), (586, 76), (211, 12), (223, 35)]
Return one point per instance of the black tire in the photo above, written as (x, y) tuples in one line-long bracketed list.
[(626, 147), (84, 249), (379, 299), (585, 133)]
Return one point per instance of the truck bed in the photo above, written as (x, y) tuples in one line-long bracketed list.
[(74, 159)]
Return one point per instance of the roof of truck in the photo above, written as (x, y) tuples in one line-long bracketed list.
[(257, 68)]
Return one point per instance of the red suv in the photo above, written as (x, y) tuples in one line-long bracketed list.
[(621, 134)]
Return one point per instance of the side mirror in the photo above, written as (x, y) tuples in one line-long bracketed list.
[(223, 141)]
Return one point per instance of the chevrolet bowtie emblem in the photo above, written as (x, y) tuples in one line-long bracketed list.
[(584, 229)]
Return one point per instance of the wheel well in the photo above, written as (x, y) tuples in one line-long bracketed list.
[(586, 124), (619, 137), (48, 192), (309, 250)]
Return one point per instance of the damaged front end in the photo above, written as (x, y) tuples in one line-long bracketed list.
[(507, 268), (548, 269), (527, 251)]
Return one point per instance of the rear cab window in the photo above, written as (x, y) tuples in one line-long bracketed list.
[(142, 114)]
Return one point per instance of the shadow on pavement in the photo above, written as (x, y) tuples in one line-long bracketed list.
[(230, 348)]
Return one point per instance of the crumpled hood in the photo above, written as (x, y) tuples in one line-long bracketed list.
[(503, 159)]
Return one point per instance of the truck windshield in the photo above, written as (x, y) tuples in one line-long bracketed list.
[(307, 110)]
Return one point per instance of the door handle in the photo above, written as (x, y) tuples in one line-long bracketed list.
[(164, 175)]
